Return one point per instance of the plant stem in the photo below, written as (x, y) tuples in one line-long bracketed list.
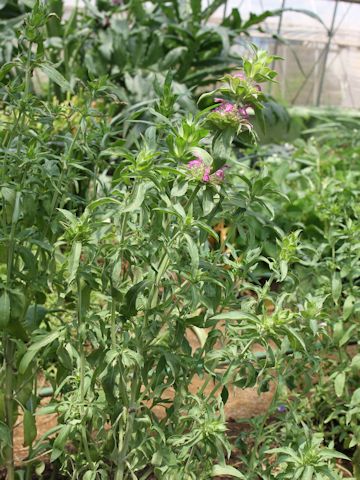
[(113, 324), (29, 466), (82, 373), (10, 352), (260, 431), (192, 196), (9, 400), (63, 170), (124, 445)]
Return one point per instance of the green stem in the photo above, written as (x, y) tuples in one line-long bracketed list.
[(9, 401), (63, 170), (192, 196), (9, 348), (260, 430), (113, 324), (82, 371), (29, 466), (124, 442)]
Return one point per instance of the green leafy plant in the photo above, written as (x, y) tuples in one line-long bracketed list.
[(319, 176), (107, 265), (134, 221)]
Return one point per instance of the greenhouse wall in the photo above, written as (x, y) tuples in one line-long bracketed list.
[(309, 76)]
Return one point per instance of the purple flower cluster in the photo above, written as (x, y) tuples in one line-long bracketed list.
[(239, 74), (228, 108), (201, 171)]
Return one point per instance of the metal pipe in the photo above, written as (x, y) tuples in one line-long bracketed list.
[(279, 26), (327, 49), (277, 38)]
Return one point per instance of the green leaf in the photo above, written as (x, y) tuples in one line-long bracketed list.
[(179, 188), (47, 410), (347, 335), (203, 154), (308, 473), (221, 147), (4, 309), (30, 431), (203, 226), (55, 76), (193, 252), (237, 315), (330, 453), (6, 68), (173, 57), (59, 443), (129, 307), (283, 264), (39, 469), (304, 11), (336, 286), (137, 196), (70, 217), (348, 306), (35, 347), (224, 394), (89, 475), (201, 334), (355, 364), (34, 316), (340, 384), (74, 261), (103, 201), (226, 470), (293, 335)]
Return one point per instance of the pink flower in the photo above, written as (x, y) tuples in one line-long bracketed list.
[(199, 169), (238, 74), (228, 107), (243, 112), (220, 174), (225, 107), (201, 172), (195, 163), (206, 176)]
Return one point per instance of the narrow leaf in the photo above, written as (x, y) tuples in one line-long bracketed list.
[(4, 309), (340, 384), (336, 286), (29, 428), (55, 76), (34, 348), (137, 196), (226, 470), (74, 261)]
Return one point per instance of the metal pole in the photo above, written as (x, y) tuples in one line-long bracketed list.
[(277, 38), (327, 49), (279, 26)]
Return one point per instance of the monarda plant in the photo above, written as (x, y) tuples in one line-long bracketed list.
[(119, 266), (144, 267)]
